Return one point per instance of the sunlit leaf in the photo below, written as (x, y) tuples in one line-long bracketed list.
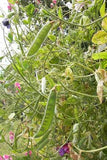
[(12, 1), (100, 37), (104, 24), (100, 55), (69, 73), (60, 14), (102, 10)]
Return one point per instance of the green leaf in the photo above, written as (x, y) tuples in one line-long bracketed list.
[(60, 14), (102, 10), (11, 15), (1, 57), (25, 21), (48, 114), (44, 12), (50, 80), (12, 1), (10, 37), (30, 9), (104, 24), (84, 20), (100, 37), (100, 55), (52, 37)]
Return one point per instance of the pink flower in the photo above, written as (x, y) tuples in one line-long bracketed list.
[(38, 1), (11, 137), (1, 158), (9, 7), (54, 1), (7, 157), (28, 153), (51, 5), (11, 133), (17, 85)]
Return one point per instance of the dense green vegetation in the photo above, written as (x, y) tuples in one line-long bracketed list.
[(54, 90)]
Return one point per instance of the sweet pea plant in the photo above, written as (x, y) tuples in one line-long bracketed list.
[(53, 92)]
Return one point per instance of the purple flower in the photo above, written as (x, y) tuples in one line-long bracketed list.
[(6, 23), (64, 149)]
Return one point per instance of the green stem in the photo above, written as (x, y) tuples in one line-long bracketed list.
[(19, 70), (19, 41), (73, 24), (90, 151), (76, 92), (85, 67)]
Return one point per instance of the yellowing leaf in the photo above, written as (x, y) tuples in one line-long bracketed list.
[(101, 78), (100, 90), (100, 37), (102, 75), (104, 24), (69, 73)]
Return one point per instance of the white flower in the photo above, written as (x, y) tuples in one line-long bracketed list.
[(69, 5), (11, 116)]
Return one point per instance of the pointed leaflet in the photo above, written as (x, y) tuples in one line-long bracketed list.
[(48, 114), (60, 14), (102, 10), (41, 36)]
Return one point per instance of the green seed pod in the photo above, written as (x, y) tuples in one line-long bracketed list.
[(48, 115), (41, 36)]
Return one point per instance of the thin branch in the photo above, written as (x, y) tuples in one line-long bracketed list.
[(73, 24)]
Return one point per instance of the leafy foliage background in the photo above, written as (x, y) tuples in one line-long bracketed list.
[(66, 59)]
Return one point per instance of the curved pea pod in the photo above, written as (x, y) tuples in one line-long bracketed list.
[(48, 114), (39, 39), (43, 142)]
